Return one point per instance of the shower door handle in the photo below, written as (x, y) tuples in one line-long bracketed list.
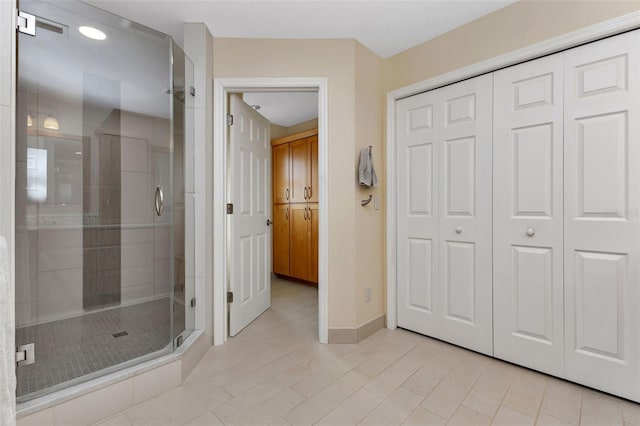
[(159, 202)]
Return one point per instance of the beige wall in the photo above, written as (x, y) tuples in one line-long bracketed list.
[(278, 132), (335, 60), (515, 26), (370, 263)]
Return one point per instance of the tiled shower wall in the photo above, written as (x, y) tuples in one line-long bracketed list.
[(69, 268)]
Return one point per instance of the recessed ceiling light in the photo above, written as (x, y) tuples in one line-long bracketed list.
[(78, 153), (92, 33)]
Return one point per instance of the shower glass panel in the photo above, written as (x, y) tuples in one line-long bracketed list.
[(182, 130), (100, 199)]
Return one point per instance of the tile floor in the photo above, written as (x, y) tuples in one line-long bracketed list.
[(71, 348), (275, 372)]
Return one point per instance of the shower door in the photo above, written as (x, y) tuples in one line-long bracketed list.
[(94, 196)]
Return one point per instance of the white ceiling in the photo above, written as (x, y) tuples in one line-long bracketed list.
[(285, 109), (386, 27)]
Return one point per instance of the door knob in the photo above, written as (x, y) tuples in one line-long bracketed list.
[(459, 230), (269, 222), (531, 232)]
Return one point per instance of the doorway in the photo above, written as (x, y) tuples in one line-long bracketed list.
[(226, 181)]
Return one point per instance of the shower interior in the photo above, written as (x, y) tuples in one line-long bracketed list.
[(104, 277)]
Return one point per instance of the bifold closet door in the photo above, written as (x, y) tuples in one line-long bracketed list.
[(417, 226), (602, 219), (528, 215), (444, 213), (464, 219)]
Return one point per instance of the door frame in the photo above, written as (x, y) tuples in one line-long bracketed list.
[(566, 41), (222, 87)]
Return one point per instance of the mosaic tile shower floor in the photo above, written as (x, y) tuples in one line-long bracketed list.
[(74, 347)]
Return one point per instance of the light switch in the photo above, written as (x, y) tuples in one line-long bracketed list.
[(376, 203)]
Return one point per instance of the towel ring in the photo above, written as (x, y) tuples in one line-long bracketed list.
[(366, 202)]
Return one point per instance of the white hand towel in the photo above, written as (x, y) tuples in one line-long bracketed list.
[(7, 342), (366, 173)]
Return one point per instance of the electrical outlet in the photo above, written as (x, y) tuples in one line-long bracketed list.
[(367, 295), (376, 203)]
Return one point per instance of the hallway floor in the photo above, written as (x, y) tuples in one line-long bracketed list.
[(275, 372)]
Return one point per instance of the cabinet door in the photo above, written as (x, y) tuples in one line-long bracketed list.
[(299, 170), (528, 196), (313, 241), (602, 220), (417, 179), (465, 211), (299, 241), (313, 169), (281, 239), (281, 173)]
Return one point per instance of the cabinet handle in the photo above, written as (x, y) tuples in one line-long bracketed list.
[(531, 232), (309, 192), (306, 192), (459, 230), (287, 194), (286, 214)]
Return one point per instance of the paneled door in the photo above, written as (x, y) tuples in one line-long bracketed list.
[(299, 241), (444, 213), (464, 219), (417, 224), (527, 215), (299, 170), (281, 234), (250, 191), (281, 166), (602, 219)]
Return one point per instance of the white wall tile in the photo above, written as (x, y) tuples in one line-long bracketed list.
[(134, 255), (137, 275), (200, 232), (59, 238), (95, 406), (134, 155), (59, 293), (6, 25), (154, 382), (162, 280), (137, 236), (57, 259), (200, 149), (137, 196), (137, 292)]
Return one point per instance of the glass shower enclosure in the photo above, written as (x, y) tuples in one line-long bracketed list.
[(103, 280)]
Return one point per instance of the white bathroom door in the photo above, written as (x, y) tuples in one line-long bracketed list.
[(464, 155), (527, 215), (602, 214), (417, 225), (250, 194)]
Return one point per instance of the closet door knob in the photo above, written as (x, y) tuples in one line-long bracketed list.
[(459, 230), (531, 232)]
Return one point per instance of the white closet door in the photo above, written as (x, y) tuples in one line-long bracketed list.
[(528, 214), (417, 179), (464, 228), (602, 205)]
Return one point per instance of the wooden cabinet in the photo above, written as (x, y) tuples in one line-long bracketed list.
[(295, 209), (281, 160), (281, 239)]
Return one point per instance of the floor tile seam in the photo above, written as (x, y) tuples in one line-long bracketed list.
[(382, 400), (270, 362)]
